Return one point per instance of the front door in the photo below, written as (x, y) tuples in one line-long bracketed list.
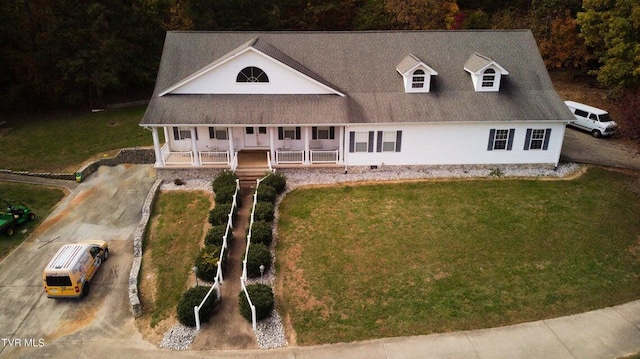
[(256, 137)]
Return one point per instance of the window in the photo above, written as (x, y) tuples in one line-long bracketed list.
[(217, 133), (62, 281), (262, 130), (389, 141), (361, 141), (593, 117), (488, 77), (537, 139), (323, 133), (289, 133), (248, 130), (181, 133), (581, 113), (501, 139), (252, 74), (417, 81)]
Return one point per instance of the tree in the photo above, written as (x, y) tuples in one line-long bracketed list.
[(423, 14), (563, 47), (612, 29)]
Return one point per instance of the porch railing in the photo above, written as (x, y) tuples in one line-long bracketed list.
[(289, 156), (176, 157), (324, 156), (214, 157)]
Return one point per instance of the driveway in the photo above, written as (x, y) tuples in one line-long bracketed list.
[(106, 206), (581, 147)]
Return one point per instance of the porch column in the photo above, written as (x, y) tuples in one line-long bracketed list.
[(272, 144), (231, 149), (156, 147), (307, 153), (341, 145), (194, 147), (166, 134)]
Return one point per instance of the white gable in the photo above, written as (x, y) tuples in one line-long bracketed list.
[(220, 78)]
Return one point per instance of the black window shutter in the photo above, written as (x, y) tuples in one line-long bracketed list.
[(212, 132), (280, 133), (547, 135), (176, 134), (298, 133), (379, 142), (510, 141), (332, 133), (492, 134), (398, 140), (371, 135), (314, 133), (527, 139), (352, 141)]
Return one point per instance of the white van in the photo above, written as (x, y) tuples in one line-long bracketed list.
[(70, 271), (592, 119)]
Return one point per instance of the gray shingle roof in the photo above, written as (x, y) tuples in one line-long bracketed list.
[(363, 66)]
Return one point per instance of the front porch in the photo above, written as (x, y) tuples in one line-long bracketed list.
[(281, 146)]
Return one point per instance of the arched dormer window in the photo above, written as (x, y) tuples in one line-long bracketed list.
[(417, 80), (488, 77), (252, 74)]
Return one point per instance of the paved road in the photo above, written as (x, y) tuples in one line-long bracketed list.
[(107, 206)]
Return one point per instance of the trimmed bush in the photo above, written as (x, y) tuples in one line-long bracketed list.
[(266, 193), (219, 214), (261, 233), (207, 262), (224, 179), (276, 180), (225, 194), (263, 212), (262, 298), (258, 255), (215, 234), (191, 298)]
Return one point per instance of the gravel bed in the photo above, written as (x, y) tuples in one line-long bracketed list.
[(297, 178), (270, 331), (179, 337)]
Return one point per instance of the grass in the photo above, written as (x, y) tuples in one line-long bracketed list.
[(170, 248), (58, 143), (425, 257), (40, 199)]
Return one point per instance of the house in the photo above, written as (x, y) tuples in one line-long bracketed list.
[(354, 99)]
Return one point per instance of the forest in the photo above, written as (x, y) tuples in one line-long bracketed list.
[(76, 54)]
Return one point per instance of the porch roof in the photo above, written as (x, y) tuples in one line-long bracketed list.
[(363, 66)]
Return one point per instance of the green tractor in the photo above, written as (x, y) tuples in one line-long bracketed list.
[(16, 214)]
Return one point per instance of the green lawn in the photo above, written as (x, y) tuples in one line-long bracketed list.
[(40, 199), (372, 261), (62, 142), (171, 246)]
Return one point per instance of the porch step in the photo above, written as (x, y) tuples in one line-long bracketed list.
[(249, 175)]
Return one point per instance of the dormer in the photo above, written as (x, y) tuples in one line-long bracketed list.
[(416, 74), (485, 73)]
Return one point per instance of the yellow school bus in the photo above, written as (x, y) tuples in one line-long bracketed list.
[(70, 271)]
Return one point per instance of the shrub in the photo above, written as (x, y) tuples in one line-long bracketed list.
[(225, 194), (276, 180), (219, 214), (262, 298), (191, 298), (258, 255), (263, 212), (261, 233), (215, 234), (224, 179), (266, 193), (207, 262)]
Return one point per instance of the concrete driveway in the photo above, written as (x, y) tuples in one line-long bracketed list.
[(106, 206), (581, 147)]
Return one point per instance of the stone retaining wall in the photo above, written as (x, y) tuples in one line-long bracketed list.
[(138, 237)]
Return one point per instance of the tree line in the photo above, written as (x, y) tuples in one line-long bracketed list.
[(70, 53)]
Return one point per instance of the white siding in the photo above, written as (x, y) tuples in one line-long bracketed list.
[(222, 79), (453, 144)]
